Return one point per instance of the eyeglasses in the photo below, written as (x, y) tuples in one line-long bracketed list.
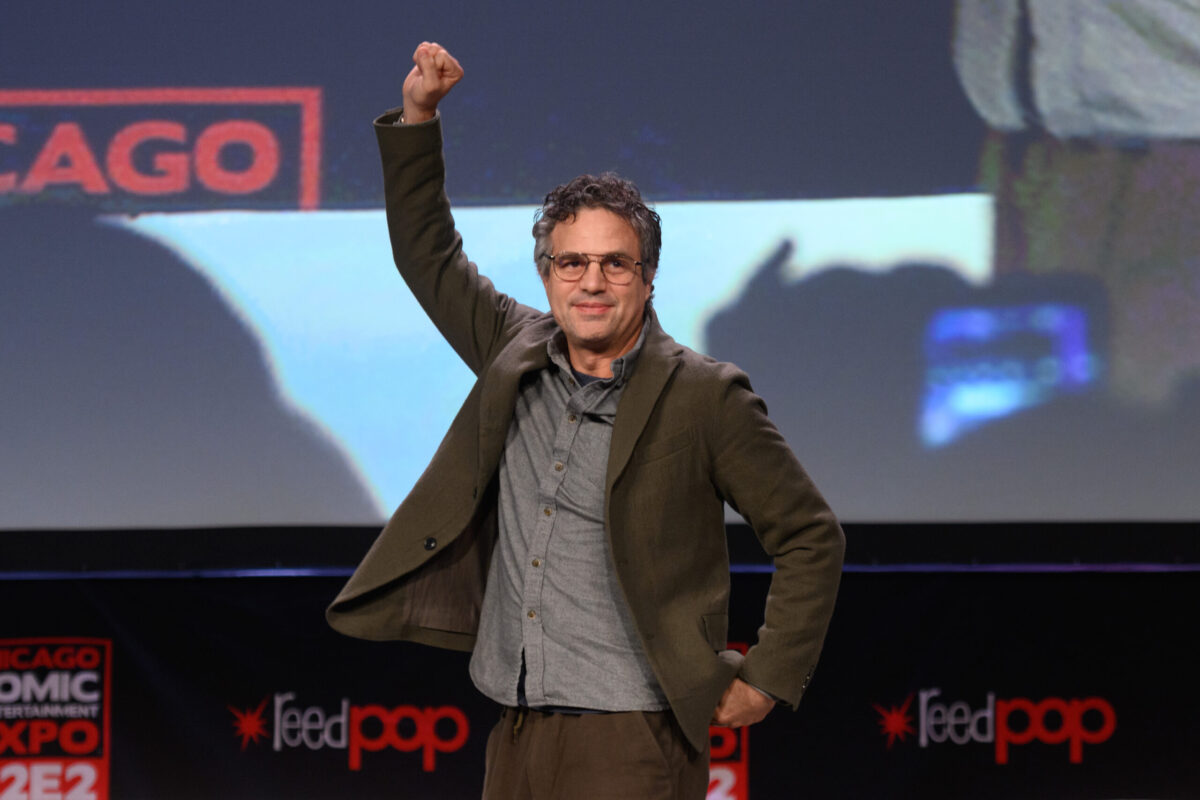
[(570, 267)]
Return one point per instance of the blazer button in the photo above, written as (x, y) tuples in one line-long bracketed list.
[(430, 543)]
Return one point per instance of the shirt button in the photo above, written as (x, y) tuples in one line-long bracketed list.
[(532, 613), (537, 562), (571, 418), (558, 467), (546, 511)]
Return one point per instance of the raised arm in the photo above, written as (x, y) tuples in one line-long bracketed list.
[(466, 308)]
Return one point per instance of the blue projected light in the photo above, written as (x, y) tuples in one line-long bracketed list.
[(987, 363)]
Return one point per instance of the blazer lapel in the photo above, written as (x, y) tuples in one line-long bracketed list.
[(659, 358), (499, 386)]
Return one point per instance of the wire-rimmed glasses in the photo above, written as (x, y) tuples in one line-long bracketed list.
[(618, 269)]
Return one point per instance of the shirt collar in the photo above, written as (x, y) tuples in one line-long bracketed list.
[(622, 367)]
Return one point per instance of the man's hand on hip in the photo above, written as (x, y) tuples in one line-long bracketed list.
[(741, 705), (434, 74)]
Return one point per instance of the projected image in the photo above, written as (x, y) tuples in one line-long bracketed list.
[(350, 350), (967, 288), (986, 363), (1093, 111)]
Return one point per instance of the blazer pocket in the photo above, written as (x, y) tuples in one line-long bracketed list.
[(664, 447), (716, 630)]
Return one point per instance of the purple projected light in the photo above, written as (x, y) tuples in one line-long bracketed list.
[(985, 363)]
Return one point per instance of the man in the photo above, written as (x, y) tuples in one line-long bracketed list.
[(583, 483)]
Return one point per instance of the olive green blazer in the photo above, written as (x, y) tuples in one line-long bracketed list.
[(689, 436)]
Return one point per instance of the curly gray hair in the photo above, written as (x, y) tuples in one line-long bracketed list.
[(608, 191)]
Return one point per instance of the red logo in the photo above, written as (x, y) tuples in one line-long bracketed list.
[(163, 148), (895, 723), (1070, 726), (728, 771), (249, 723), (54, 718), (1004, 723), (356, 729), (425, 737)]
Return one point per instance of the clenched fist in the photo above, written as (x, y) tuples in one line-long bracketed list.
[(741, 705), (434, 74)]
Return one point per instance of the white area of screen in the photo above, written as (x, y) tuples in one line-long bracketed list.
[(351, 348)]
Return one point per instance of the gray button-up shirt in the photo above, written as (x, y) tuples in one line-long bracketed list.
[(552, 592)]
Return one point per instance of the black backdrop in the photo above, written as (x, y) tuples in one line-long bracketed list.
[(188, 654)]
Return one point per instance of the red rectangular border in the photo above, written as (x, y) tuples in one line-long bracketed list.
[(104, 763), (307, 97)]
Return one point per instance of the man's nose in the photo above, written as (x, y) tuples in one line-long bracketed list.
[(593, 279)]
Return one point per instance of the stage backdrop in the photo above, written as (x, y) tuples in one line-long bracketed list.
[(940, 686)]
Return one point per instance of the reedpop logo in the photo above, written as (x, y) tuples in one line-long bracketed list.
[(1002, 722), (371, 728)]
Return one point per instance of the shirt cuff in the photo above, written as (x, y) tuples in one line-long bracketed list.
[(399, 121), (763, 692)]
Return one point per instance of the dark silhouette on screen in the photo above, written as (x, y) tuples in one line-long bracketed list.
[(131, 395), (839, 358)]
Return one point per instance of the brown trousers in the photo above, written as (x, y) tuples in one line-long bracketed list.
[(533, 755)]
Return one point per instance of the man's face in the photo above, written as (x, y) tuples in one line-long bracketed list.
[(601, 320)]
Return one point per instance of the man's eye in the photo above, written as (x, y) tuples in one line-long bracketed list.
[(617, 263)]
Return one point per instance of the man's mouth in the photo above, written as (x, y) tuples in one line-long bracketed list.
[(592, 308)]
